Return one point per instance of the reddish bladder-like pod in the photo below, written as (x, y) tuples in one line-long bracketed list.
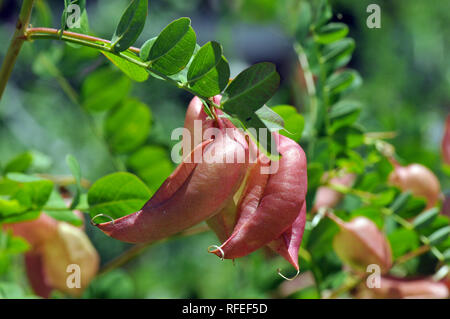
[(288, 244), (327, 197), (55, 248), (236, 221), (197, 190), (417, 179), (446, 142), (270, 204), (401, 288), (360, 243)]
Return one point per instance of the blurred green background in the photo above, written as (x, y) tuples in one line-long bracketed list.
[(404, 65)]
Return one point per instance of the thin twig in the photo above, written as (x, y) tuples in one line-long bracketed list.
[(412, 254), (140, 248), (15, 44), (31, 31)]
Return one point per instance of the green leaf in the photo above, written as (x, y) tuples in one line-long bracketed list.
[(127, 126), (33, 192), (323, 13), (133, 71), (293, 121), (12, 245), (173, 48), (403, 240), (321, 238), (61, 211), (245, 95), (104, 89), (340, 82), (117, 195), (348, 137), (130, 26), (9, 290), (339, 53), (152, 164), (330, 32), (209, 71), (144, 52), (314, 172), (400, 202), (250, 90), (413, 207), (10, 208), (20, 163), (258, 131), (74, 167), (272, 120), (426, 218), (439, 236)]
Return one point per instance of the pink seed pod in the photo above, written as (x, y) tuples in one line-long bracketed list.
[(400, 288), (223, 223), (360, 243), (55, 247), (446, 142), (270, 205), (288, 244), (417, 179), (193, 193), (327, 197)]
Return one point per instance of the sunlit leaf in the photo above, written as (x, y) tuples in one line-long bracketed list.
[(117, 195)]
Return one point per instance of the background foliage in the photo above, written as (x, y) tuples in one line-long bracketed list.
[(57, 103)]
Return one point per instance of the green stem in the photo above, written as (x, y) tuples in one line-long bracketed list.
[(103, 45), (15, 44)]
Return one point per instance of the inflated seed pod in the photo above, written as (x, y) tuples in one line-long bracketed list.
[(288, 244), (223, 223), (56, 245), (360, 243), (327, 197), (270, 204), (197, 190), (417, 179)]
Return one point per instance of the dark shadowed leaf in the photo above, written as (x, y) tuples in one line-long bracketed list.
[(104, 89), (251, 89), (130, 26), (127, 126), (209, 71), (152, 164)]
